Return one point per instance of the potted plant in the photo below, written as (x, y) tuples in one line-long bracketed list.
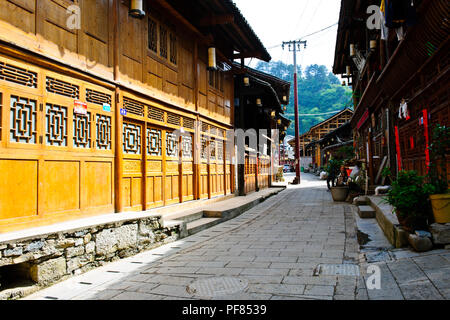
[(409, 198), (437, 174), (339, 191)]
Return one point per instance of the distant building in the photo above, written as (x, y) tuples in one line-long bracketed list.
[(317, 132)]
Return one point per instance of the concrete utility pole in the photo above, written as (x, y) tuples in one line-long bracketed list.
[(293, 47)]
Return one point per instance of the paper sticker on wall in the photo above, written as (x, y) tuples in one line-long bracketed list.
[(80, 108), (106, 107)]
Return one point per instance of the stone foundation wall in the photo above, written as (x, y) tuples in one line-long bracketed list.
[(47, 259)]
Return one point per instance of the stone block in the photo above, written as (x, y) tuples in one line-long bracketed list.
[(366, 212), (90, 247), (74, 252), (49, 270), (420, 244), (34, 246), (441, 233), (65, 243), (14, 252), (110, 240)]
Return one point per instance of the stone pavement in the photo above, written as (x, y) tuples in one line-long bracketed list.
[(296, 245)]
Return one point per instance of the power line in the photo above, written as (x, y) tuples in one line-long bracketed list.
[(308, 35)]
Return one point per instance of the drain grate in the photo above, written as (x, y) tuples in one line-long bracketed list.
[(216, 287), (345, 269)]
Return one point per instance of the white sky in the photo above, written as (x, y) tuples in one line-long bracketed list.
[(285, 20)]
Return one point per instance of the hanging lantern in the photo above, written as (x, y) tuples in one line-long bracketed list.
[(349, 71), (352, 50), (285, 128), (212, 58), (279, 121), (284, 98), (137, 9), (285, 108), (246, 81), (373, 44), (259, 102), (272, 114)]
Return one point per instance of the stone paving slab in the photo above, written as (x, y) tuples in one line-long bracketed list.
[(275, 246)]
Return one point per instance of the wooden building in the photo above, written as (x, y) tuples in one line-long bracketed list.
[(317, 132), (261, 100), (400, 80), (90, 98)]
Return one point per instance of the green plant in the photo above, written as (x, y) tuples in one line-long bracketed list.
[(345, 153), (333, 169), (437, 169), (409, 197)]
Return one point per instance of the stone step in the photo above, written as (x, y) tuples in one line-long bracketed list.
[(366, 212), (186, 216), (362, 201), (201, 224)]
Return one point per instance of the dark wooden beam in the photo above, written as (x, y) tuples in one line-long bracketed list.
[(214, 20)]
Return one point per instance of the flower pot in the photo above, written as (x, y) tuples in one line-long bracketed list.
[(441, 207), (339, 193)]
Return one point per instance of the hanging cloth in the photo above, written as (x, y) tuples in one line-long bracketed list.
[(396, 12), (403, 110), (411, 15), (384, 29)]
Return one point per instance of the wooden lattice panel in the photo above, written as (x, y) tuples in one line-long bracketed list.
[(131, 138), (56, 125), (212, 149), (97, 97), (155, 114), (1, 114), (154, 142), (187, 146), (23, 115), (82, 130), (103, 125), (220, 150), (18, 75), (188, 123), (204, 147), (171, 145), (134, 107), (173, 119), (62, 88)]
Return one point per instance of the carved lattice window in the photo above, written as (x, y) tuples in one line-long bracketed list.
[(212, 148), (82, 130), (152, 35), (173, 48), (103, 124), (23, 117), (163, 41), (204, 147), (219, 150), (63, 88), (18, 75), (97, 97), (56, 125), (171, 145), (154, 146), (131, 138), (186, 145)]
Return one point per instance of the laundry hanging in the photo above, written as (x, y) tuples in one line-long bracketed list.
[(399, 13)]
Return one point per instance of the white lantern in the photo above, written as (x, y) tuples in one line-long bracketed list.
[(352, 50), (259, 102), (212, 65), (246, 81), (137, 9), (349, 71), (373, 44)]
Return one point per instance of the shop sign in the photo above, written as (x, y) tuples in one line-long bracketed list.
[(80, 108), (106, 107)]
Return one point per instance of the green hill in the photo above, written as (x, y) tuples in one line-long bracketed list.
[(319, 92)]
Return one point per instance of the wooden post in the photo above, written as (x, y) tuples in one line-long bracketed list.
[(118, 192)]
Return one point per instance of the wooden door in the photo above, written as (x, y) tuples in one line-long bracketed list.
[(220, 168), (203, 168), (172, 168), (154, 184), (213, 167), (187, 153), (132, 148)]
